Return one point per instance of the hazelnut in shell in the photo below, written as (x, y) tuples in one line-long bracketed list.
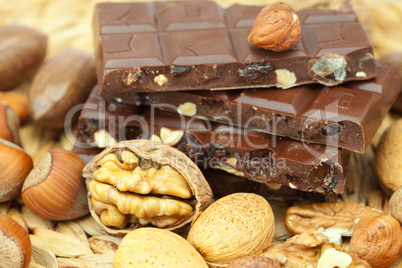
[(276, 28), (55, 189), (377, 240), (234, 226), (15, 245), (15, 166), (9, 124), (17, 102)]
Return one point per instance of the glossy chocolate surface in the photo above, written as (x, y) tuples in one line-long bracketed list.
[(345, 116), (193, 45), (257, 156)]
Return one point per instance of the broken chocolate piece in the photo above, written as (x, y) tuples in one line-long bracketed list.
[(223, 183), (254, 155), (345, 116), (193, 45)]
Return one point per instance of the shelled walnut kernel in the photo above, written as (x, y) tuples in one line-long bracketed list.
[(142, 183)]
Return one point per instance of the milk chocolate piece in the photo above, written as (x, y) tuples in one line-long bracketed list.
[(193, 45), (223, 183), (257, 156), (345, 116)]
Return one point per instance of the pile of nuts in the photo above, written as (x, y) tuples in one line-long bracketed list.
[(65, 213)]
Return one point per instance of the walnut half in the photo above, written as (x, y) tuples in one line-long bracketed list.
[(142, 183)]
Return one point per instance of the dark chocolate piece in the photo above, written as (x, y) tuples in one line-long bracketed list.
[(345, 116), (257, 156), (223, 183), (193, 45)]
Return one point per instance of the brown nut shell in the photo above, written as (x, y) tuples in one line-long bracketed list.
[(234, 226), (15, 245), (276, 28), (22, 51), (151, 154), (55, 189), (17, 102), (9, 124), (60, 84), (15, 165), (378, 240)]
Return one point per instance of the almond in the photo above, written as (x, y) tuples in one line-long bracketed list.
[(61, 83), (22, 51)]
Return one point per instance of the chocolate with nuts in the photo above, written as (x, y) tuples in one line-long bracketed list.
[(345, 116), (257, 156), (224, 183), (190, 45)]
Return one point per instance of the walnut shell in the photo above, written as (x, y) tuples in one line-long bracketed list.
[(378, 240), (151, 155), (237, 225)]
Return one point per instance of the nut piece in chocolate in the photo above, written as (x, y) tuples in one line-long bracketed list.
[(142, 183)]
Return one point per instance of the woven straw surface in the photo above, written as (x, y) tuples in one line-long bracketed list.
[(68, 24)]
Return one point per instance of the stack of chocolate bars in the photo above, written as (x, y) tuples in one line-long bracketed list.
[(280, 124)]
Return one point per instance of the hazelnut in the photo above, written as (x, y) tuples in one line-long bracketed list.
[(395, 204), (9, 124), (17, 102), (153, 247), (237, 225), (55, 189), (276, 28), (15, 245), (15, 166), (378, 240)]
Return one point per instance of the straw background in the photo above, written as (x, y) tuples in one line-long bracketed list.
[(68, 23)]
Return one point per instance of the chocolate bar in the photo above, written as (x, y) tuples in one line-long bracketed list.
[(257, 156), (197, 45), (345, 116), (223, 183)]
